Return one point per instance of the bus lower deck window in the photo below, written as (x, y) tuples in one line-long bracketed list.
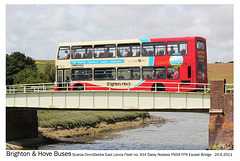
[(81, 74), (128, 73), (153, 72), (104, 73), (173, 72)]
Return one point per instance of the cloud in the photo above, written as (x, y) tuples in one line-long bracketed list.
[(37, 29)]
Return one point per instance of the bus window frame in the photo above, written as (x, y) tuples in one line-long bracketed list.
[(94, 76), (90, 75), (69, 52), (178, 43), (82, 55), (129, 46), (197, 46), (154, 45), (63, 70), (153, 69), (139, 74), (173, 73), (104, 54)]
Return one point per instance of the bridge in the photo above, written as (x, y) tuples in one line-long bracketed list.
[(42, 96), (30, 98), (110, 100)]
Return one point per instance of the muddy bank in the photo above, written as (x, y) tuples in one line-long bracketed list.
[(82, 134), (88, 133), (24, 143)]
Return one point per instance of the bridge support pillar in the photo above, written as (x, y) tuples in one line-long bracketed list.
[(21, 124), (221, 114)]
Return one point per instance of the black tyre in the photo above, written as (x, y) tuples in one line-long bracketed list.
[(78, 87), (158, 87)]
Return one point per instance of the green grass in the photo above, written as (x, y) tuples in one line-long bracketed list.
[(72, 119), (41, 64)]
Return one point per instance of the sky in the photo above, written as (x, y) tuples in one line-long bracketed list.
[(37, 29)]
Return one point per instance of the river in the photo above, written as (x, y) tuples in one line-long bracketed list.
[(182, 131)]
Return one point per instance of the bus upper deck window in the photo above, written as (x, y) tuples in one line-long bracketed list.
[(153, 49), (128, 50), (160, 49), (64, 53), (147, 49), (177, 47), (81, 52), (105, 51)]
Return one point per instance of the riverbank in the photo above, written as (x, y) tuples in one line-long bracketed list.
[(86, 134), (181, 131), (82, 126), (74, 119)]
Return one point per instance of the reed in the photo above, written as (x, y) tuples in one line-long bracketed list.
[(74, 119)]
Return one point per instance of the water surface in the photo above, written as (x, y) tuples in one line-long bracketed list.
[(182, 131)]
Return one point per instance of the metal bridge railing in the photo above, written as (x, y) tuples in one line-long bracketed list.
[(49, 87), (25, 88)]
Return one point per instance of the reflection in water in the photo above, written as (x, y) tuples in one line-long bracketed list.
[(182, 131)]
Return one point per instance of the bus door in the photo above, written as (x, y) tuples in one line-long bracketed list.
[(63, 78), (186, 78)]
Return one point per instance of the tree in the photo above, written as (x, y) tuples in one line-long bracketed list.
[(29, 76), (49, 72), (16, 62)]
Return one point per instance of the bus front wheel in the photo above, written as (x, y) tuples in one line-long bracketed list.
[(157, 87)]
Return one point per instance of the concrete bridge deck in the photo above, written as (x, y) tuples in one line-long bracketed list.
[(110, 100)]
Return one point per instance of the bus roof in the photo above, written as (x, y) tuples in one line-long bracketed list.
[(131, 41)]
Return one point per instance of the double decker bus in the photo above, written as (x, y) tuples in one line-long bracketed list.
[(156, 64)]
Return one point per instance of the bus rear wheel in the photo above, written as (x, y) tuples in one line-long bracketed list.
[(157, 87), (78, 87)]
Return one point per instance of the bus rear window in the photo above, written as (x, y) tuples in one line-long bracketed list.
[(200, 45)]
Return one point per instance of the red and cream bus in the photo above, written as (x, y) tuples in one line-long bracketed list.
[(157, 64)]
